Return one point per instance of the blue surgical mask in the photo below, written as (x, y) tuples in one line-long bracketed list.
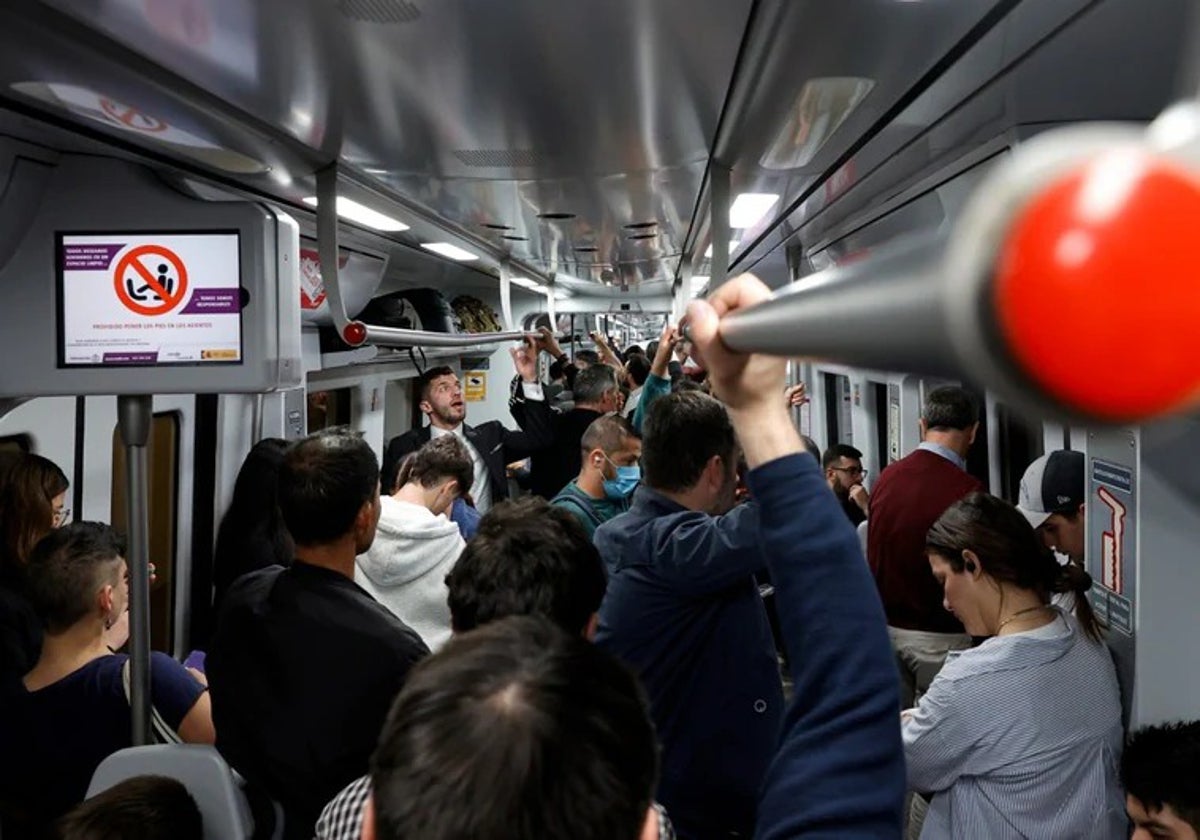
[(627, 479)]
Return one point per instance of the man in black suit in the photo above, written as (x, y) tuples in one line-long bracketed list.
[(491, 446)]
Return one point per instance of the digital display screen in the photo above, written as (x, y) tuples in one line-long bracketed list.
[(149, 299)]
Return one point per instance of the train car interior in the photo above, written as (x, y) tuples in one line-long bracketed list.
[(347, 193)]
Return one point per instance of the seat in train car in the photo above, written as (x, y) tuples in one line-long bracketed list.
[(207, 777)]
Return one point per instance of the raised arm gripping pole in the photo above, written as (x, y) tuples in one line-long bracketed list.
[(1067, 285)]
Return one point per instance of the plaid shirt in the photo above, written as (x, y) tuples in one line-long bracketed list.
[(343, 816)]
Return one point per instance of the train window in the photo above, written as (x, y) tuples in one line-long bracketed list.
[(837, 408), (879, 390), (1020, 443), (14, 444), (328, 408), (162, 454)]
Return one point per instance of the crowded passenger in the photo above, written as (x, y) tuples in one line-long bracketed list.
[(554, 465), (585, 359), (252, 535), (141, 808), (658, 380), (1020, 736), (304, 663), (518, 729), (1052, 497), (529, 559), (33, 502), (844, 474), (490, 445), (907, 499), (72, 709), (415, 544), (470, 710), (608, 474), (683, 609), (1160, 770)]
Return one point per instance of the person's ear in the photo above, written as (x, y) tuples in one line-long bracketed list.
[(368, 823), (971, 564), (106, 599), (368, 515), (595, 459), (974, 431), (714, 473), (922, 428), (593, 624), (426, 407)]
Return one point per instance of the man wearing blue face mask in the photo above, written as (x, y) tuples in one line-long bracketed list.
[(609, 473)]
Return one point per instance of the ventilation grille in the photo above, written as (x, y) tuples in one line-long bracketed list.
[(380, 11), (497, 158)]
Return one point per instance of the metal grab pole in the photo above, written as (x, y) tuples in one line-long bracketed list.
[(878, 314), (134, 415), (396, 337)]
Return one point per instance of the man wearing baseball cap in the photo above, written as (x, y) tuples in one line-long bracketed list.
[(1052, 499)]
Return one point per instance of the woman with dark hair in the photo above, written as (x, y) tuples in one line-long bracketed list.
[(252, 534), (1020, 736), (33, 497)]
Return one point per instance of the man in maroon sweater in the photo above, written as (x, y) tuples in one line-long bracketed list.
[(907, 499)]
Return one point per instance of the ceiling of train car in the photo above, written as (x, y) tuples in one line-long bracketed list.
[(574, 135)]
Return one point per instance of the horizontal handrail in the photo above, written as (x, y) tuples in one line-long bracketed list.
[(396, 337)]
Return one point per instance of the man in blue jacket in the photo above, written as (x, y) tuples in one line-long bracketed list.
[(839, 770), (683, 610)]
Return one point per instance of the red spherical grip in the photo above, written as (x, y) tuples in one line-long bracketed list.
[(1097, 287)]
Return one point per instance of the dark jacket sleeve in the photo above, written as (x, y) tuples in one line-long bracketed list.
[(537, 427), (839, 771)]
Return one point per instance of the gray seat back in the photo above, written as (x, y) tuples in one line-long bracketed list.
[(202, 771)]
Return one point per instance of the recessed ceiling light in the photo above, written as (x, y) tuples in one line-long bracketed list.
[(516, 238), (353, 211), (451, 251), (748, 209), (494, 226), (526, 283), (587, 249), (732, 247), (640, 225), (556, 216), (644, 236)]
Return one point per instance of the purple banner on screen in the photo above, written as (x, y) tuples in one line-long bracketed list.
[(213, 302), (130, 358), (96, 257)]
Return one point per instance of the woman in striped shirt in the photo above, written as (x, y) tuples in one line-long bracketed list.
[(1020, 736)]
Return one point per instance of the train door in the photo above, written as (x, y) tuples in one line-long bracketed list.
[(162, 454)]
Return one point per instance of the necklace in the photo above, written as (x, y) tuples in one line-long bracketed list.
[(1016, 615)]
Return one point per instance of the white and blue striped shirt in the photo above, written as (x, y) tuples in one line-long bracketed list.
[(1021, 737)]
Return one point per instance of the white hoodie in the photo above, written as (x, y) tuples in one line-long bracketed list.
[(405, 568)]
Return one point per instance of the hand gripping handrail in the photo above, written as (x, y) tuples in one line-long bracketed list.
[(1068, 285)]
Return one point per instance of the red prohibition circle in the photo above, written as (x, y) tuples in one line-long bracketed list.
[(167, 301)]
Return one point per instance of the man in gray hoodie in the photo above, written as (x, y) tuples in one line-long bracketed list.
[(416, 545)]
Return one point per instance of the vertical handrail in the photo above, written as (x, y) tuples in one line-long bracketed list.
[(134, 415)]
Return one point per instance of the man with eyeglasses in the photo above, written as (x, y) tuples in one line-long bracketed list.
[(844, 475)]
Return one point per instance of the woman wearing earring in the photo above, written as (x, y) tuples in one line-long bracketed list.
[(72, 709), (1020, 736)]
